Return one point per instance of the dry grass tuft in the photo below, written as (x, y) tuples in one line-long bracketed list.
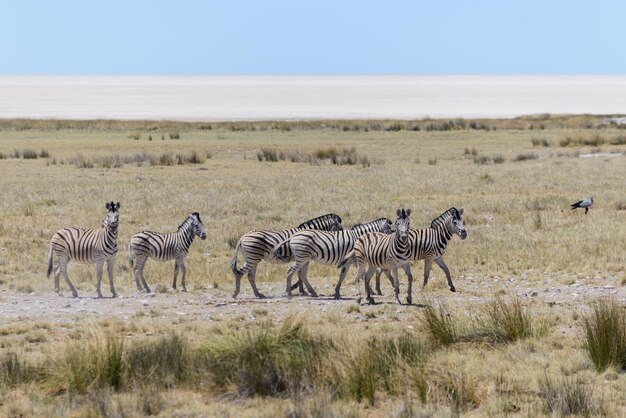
[(439, 325), (508, 321), (605, 335)]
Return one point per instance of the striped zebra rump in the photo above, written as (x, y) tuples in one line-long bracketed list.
[(260, 245)]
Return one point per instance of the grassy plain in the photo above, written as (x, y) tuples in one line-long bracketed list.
[(515, 184)]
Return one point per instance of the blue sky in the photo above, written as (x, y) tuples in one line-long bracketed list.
[(316, 37)]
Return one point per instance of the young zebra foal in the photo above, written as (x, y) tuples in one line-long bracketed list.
[(163, 247), (86, 246), (378, 250)]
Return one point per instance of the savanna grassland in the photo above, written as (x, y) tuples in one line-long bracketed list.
[(535, 327)]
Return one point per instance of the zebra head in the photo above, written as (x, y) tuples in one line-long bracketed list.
[(335, 224), (198, 227), (457, 222), (112, 219), (387, 227), (403, 224)]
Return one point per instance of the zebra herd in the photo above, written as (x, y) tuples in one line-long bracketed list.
[(380, 247), (375, 245)]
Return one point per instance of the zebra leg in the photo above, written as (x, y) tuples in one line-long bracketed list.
[(305, 280), (407, 271), (67, 280), (252, 280), (299, 284), (57, 273), (378, 273), (99, 268), (446, 270), (359, 272), (176, 267), (183, 270), (427, 265), (295, 267), (110, 267), (237, 285), (368, 276), (342, 275), (138, 270), (396, 284), (143, 281)]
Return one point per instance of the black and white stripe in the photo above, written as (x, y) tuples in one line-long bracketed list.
[(325, 247), (430, 245), (259, 245), (378, 250), (163, 247), (86, 246)]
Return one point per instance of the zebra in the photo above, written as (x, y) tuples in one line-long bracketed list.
[(259, 245), (163, 247), (430, 245), (325, 247), (86, 246), (378, 250)]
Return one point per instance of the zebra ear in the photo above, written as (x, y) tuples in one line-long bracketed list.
[(107, 206), (461, 211), (117, 206), (408, 212), (399, 213)]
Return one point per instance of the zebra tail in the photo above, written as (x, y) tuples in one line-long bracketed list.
[(278, 254), (49, 262), (233, 262), (130, 256), (346, 259)]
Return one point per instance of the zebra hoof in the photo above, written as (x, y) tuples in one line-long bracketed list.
[(452, 289), (314, 295), (336, 296), (184, 289), (261, 296), (409, 301), (113, 295), (370, 301)]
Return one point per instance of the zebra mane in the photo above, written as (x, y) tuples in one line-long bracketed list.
[(452, 212), (186, 221), (320, 218), (369, 223)]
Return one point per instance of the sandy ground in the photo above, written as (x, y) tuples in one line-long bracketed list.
[(218, 305)]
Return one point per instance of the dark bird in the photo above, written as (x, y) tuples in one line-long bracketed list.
[(587, 203)]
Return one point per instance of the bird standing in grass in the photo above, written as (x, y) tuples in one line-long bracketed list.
[(587, 203)]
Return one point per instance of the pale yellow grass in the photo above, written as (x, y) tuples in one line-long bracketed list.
[(521, 235)]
